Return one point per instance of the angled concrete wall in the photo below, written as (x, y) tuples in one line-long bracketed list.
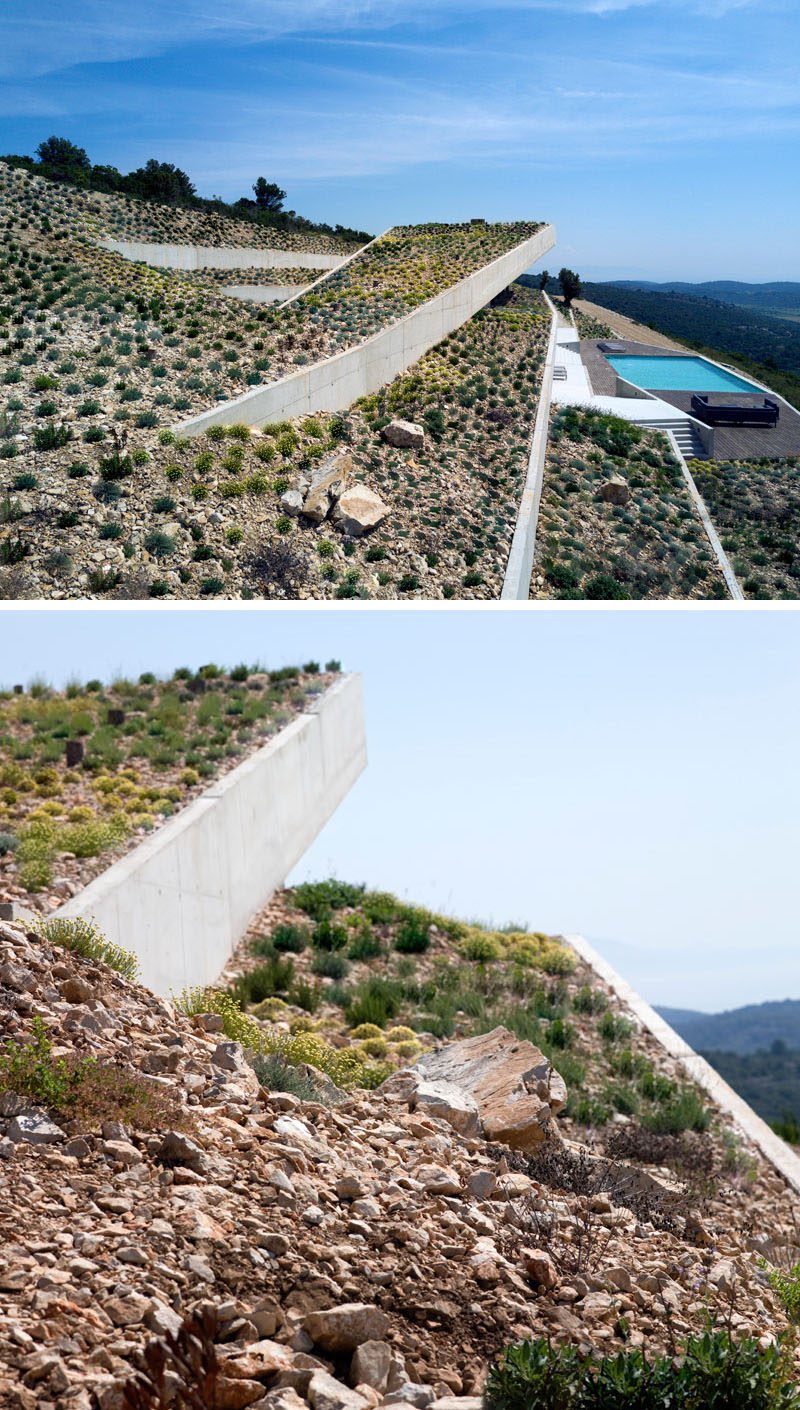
[(333, 385), (781, 1156), (183, 899), (219, 257)]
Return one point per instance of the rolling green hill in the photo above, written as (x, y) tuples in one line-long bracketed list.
[(744, 1030), (781, 298)]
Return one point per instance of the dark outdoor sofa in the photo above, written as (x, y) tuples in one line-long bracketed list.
[(732, 415)]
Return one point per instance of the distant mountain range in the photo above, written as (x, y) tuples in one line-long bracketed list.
[(745, 1030), (756, 1049), (782, 297)]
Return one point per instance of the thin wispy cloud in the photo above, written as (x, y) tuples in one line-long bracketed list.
[(368, 109)]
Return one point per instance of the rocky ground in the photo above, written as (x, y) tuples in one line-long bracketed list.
[(148, 749), (755, 506), (616, 518), (98, 496), (205, 517), (349, 1255)]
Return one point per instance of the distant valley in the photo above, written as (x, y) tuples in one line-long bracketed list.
[(755, 1048)]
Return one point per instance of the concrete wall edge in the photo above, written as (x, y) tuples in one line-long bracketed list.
[(776, 1151)]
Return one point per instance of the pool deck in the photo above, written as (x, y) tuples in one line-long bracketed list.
[(730, 442)]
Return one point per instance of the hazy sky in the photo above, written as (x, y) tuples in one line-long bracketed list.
[(632, 775), (660, 136)]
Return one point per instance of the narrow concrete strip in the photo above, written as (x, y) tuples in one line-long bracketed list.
[(781, 1156), (517, 581), (184, 897), (713, 537), (311, 288)]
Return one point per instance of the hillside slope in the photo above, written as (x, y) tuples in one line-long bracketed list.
[(99, 496), (340, 1243)]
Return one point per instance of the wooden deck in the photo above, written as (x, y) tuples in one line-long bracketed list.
[(730, 442)]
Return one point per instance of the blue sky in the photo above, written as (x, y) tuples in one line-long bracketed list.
[(630, 775), (660, 136)]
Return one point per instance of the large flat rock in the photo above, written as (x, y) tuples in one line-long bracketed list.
[(495, 1085)]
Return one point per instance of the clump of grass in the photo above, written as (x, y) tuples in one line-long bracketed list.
[(84, 938)]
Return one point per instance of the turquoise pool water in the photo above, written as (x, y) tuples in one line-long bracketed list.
[(677, 374)]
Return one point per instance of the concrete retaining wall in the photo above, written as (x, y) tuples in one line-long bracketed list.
[(219, 257), (333, 385), (781, 1156), (517, 580), (731, 580), (262, 293), (183, 899)]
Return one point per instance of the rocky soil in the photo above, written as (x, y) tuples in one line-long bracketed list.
[(355, 1255), (755, 506), (205, 517), (98, 496), (616, 517)]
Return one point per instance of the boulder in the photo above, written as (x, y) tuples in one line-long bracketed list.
[(292, 503), (615, 490), (447, 1101), (404, 434), (326, 1393), (176, 1149), (35, 1128), (346, 1327), (358, 511), (328, 483), (515, 1089), (371, 1364), (539, 1267)]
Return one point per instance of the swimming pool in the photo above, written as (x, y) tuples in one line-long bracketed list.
[(677, 374)]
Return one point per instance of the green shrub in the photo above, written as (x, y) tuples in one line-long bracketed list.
[(787, 1286), (51, 437), (326, 936), (277, 1075), (682, 1111), (330, 965), (319, 898), (380, 907), (83, 1090), (588, 1000), (274, 977), (714, 1373), (374, 1001), (613, 1028), (481, 947), (412, 937), (293, 938), (306, 996), (159, 544), (364, 946)]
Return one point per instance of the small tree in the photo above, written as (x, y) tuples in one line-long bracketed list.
[(571, 287), (162, 181), (544, 279), (268, 194), (62, 155)]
